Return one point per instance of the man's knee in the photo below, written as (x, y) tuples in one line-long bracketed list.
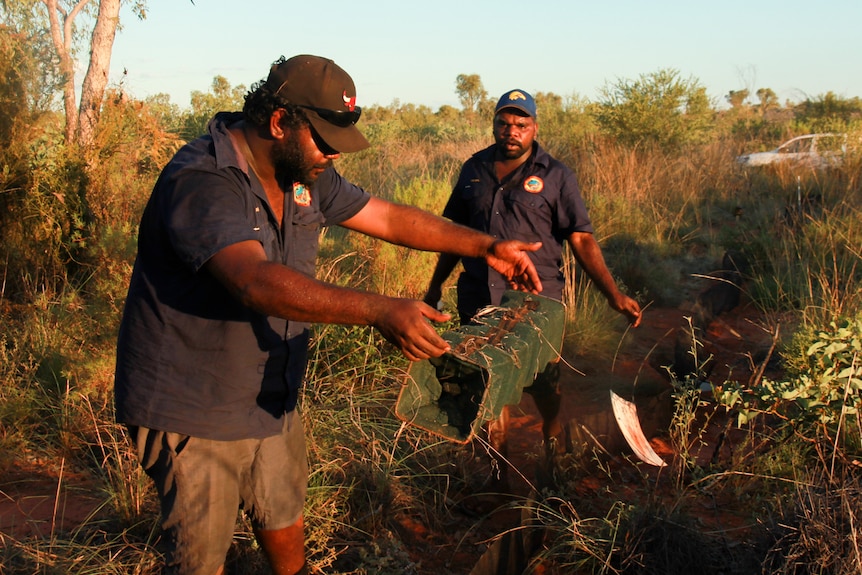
[(284, 548)]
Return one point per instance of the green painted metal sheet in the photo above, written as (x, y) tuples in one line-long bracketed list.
[(487, 368)]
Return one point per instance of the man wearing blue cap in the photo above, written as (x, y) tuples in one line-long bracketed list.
[(514, 189)]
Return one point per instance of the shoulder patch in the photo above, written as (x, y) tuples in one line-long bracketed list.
[(534, 184)]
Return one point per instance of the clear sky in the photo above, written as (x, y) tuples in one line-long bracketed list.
[(412, 51)]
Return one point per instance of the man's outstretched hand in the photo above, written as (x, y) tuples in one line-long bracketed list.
[(405, 323), (509, 257)]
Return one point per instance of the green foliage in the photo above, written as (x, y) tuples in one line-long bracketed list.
[(737, 98), (829, 109), (395, 270), (168, 115), (823, 390), (19, 74), (659, 108), (38, 186), (409, 144), (471, 92), (565, 125), (414, 125), (27, 59), (67, 240), (222, 97), (132, 145), (808, 258), (44, 216)]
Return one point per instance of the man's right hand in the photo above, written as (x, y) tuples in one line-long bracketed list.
[(509, 257), (405, 324)]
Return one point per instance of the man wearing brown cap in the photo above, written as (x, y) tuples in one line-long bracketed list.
[(514, 189), (213, 342)]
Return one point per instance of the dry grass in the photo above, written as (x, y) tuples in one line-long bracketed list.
[(660, 217)]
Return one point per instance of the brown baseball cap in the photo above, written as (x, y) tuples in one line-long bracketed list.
[(327, 95)]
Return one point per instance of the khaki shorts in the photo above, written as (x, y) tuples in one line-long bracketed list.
[(202, 484)]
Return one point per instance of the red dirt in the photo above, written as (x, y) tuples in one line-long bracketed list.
[(35, 505), (735, 341), (36, 502)]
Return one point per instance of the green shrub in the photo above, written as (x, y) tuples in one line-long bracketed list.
[(823, 389)]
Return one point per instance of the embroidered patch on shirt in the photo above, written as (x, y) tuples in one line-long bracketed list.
[(301, 195), (534, 184)]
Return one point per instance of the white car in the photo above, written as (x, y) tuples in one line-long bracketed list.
[(814, 150)]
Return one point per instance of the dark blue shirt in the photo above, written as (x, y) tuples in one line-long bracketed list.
[(539, 202), (190, 358)]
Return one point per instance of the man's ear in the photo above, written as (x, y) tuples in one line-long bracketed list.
[(275, 128)]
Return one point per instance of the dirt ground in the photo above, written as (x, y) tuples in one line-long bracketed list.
[(737, 342), (35, 504), (38, 502)]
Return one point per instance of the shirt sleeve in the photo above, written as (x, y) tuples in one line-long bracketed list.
[(457, 208), (572, 213), (204, 213), (339, 199)]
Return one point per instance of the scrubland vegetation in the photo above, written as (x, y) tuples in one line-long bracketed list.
[(655, 158)]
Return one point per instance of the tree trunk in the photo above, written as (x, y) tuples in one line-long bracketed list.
[(93, 88), (61, 36)]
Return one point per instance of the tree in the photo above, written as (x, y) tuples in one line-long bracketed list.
[(81, 118), (767, 100), (737, 98), (660, 107), (221, 97), (169, 114), (562, 121), (448, 113), (470, 91), (828, 110), (96, 79)]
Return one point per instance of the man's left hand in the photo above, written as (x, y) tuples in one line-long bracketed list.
[(628, 307), (509, 257)]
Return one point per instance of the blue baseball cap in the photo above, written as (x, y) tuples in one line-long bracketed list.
[(518, 99)]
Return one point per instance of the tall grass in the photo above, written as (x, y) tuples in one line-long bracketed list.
[(662, 218)]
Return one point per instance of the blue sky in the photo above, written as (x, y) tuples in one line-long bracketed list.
[(413, 51)]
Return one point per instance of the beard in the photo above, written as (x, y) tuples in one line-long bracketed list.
[(290, 165), (513, 149)]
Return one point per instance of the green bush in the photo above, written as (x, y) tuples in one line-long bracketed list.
[(823, 389)]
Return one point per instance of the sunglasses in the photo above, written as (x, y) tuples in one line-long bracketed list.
[(324, 148), (336, 118)]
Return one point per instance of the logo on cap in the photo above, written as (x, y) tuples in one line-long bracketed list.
[(349, 102), (518, 99)]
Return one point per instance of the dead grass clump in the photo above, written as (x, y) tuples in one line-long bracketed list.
[(819, 530)]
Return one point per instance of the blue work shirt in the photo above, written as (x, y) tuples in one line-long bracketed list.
[(191, 358), (539, 202)]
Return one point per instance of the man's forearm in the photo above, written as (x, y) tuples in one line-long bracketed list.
[(275, 290), (417, 229), (427, 232), (421, 230), (589, 256)]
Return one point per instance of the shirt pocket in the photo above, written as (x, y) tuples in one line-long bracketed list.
[(305, 229), (265, 230), (528, 215)]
